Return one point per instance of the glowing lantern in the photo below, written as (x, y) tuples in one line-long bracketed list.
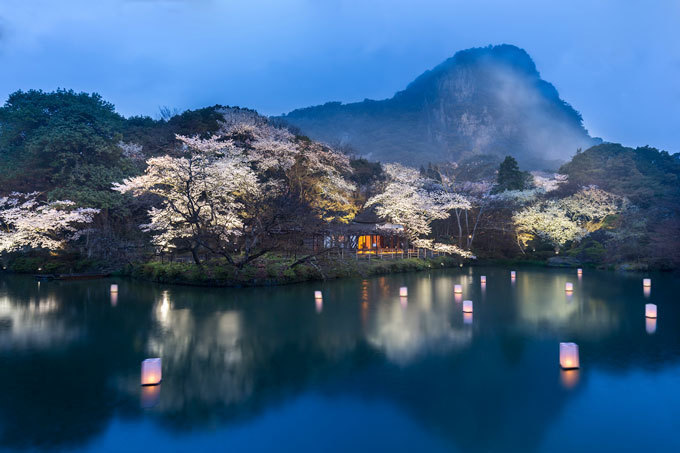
[(650, 311), (650, 325), (513, 274), (114, 288), (569, 356), (318, 295), (458, 289), (569, 287), (151, 372), (483, 279), (467, 306), (579, 271), (403, 291), (647, 282), (319, 305), (467, 318)]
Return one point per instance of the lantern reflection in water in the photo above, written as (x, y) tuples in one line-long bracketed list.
[(458, 297), (650, 325), (403, 301), (467, 306), (114, 299), (569, 378), (647, 291), (467, 318), (151, 371), (569, 356), (650, 311), (403, 291), (458, 289), (151, 395), (319, 305)]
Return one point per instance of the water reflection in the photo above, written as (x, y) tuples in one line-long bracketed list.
[(232, 356)]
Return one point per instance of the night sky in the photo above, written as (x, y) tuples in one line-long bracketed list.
[(616, 61)]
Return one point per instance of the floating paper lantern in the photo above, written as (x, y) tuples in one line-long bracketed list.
[(467, 318), (647, 282), (569, 287), (482, 279), (318, 295), (650, 325), (458, 289), (579, 271), (650, 310), (403, 291), (467, 306), (151, 371), (114, 288), (513, 274), (569, 356), (319, 305)]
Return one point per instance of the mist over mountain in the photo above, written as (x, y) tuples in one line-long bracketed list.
[(488, 100)]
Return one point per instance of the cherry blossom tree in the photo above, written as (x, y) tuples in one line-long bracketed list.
[(27, 223), (415, 202)]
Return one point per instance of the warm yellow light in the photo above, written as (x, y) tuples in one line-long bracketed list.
[(458, 297), (579, 271), (647, 282), (647, 291), (467, 306), (114, 299), (403, 291), (569, 287), (318, 295), (458, 289), (319, 305), (403, 301), (467, 318), (569, 378), (151, 395), (513, 274), (114, 288), (151, 371), (569, 356), (483, 279), (650, 310)]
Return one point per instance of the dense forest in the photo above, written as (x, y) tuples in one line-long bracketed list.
[(83, 188)]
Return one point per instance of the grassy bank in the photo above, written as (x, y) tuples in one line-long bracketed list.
[(276, 270)]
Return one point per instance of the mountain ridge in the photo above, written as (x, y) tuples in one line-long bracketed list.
[(486, 100)]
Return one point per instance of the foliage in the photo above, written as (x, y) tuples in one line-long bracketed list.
[(510, 177)]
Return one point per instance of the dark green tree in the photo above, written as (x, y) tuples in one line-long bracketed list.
[(510, 177)]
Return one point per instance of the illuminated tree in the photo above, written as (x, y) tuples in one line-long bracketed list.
[(26, 223)]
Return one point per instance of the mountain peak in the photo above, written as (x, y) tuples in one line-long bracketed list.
[(487, 100)]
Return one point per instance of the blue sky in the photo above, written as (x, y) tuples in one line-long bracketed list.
[(616, 61)]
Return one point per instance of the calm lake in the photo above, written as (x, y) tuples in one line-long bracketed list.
[(262, 369)]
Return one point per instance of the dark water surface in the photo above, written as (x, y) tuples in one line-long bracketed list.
[(269, 369)]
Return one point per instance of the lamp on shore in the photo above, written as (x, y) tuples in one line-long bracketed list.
[(403, 291), (569, 356), (467, 306), (151, 371)]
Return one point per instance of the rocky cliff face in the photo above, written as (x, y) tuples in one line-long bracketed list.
[(488, 100)]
